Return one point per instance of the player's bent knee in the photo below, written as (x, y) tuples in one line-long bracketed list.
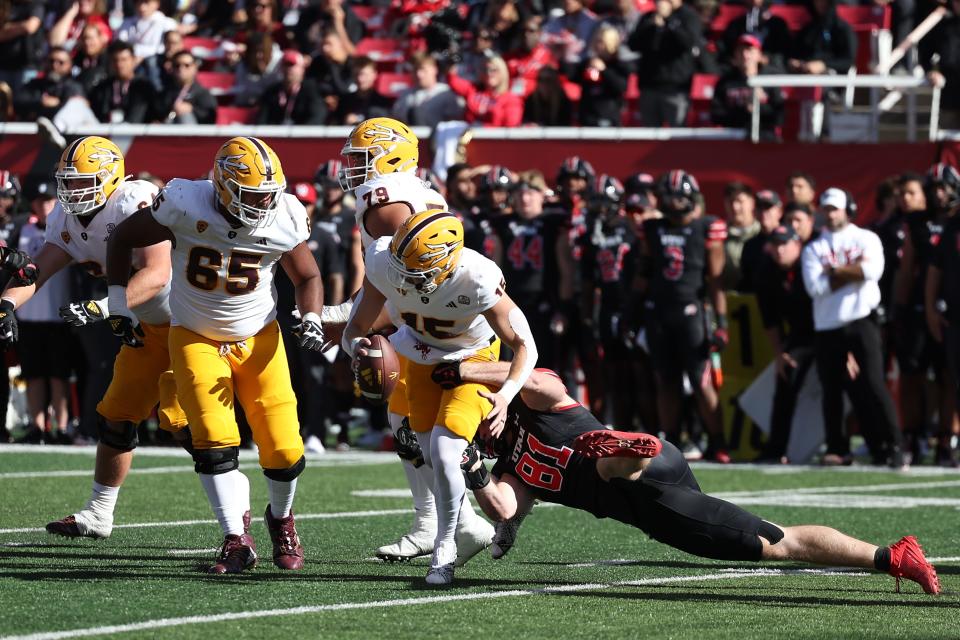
[(406, 445), (216, 461), (288, 474), (119, 434)]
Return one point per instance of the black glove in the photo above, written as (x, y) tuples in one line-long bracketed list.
[(447, 375), (720, 338), (474, 471), (20, 267), (79, 314), (309, 332), (127, 330), (9, 331)]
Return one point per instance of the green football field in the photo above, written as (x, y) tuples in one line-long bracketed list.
[(569, 575)]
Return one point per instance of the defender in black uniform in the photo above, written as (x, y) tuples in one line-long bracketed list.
[(681, 261), (554, 450)]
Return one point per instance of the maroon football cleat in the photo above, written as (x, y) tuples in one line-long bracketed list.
[(907, 561), (605, 443), (287, 550), (237, 554), (83, 524), (246, 521)]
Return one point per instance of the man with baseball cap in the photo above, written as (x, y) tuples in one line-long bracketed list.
[(769, 211), (732, 104), (841, 272)]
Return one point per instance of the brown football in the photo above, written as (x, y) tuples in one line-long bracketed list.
[(378, 371)]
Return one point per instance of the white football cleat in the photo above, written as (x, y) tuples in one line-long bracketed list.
[(473, 536), (415, 544), (83, 524), (505, 535), (442, 566)]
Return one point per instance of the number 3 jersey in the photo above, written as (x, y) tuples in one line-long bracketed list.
[(394, 187), (447, 324), (222, 286), (678, 258), (87, 245)]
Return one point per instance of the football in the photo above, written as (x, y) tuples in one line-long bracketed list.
[(378, 371)]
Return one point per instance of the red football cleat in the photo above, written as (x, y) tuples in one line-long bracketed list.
[(237, 554), (907, 561), (287, 550), (605, 443)]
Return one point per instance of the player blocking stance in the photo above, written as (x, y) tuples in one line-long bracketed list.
[(554, 450), (451, 305), (229, 234), (380, 158), (94, 197)]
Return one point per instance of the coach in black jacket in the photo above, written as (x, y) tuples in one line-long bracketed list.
[(184, 100), (826, 44), (122, 97), (293, 100)]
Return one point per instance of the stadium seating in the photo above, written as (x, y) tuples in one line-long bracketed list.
[(219, 83), (393, 84), (236, 115)]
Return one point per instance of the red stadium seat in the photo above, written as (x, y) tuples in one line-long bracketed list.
[(393, 84), (726, 13), (572, 89), (868, 16), (236, 115), (381, 49), (701, 93), (371, 17), (217, 82), (795, 16)]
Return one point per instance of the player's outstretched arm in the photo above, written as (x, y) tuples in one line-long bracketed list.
[(499, 498), (49, 261), (542, 390), (509, 323)]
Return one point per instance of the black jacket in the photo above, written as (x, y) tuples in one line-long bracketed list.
[(27, 100), (92, 70), (827, 38), (732, 98), (772, 31), (667, 52), (602, 99), (137, 102), (307, 108), (944, 41), (204, 104)]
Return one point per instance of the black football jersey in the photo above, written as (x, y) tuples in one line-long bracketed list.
[(678, 258), (606, 261), (892, 234), (925, 232), (946, 257), (529, 263)]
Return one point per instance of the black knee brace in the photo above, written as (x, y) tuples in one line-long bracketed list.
[(216, 461), (119, 435), (406, 445), (289, 474)]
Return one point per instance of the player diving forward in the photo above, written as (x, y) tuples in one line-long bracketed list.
[(94, 197), (452, 305), (229, 234), (554, 450), (380, 157)]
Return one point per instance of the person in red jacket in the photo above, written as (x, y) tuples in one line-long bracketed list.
[(493, 104)]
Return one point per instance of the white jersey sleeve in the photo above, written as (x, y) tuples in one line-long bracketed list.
[(169, 206), (56, 233), (401, 187)]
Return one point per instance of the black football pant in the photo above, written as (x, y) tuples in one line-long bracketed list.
[(868, 393)]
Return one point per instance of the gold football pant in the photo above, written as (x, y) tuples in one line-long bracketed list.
[(210, 373), (141, 378), (398, 399), (459, 409)]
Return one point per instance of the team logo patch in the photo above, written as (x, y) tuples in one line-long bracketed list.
[(232, 235), (65, 237), (201, 226), (463, 300), (93, 308), (424, 299)]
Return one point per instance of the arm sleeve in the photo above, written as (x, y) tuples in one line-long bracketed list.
[(872, 264), (814, 279)]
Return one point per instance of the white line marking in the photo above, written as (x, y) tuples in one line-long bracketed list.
[(190, 552), (164, 623), (849, 488), (944, 560), (358, 457)]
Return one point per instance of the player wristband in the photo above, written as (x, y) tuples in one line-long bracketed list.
[(105, 305), (11, 302), (352, 347), (337, 314), (509, 390), (476, 480)]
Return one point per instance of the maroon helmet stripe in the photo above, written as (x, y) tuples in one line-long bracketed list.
[(420, 226)]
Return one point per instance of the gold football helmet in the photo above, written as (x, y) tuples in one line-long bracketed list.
[(249, 180), (89, 171), (376, 147), (425, 251)]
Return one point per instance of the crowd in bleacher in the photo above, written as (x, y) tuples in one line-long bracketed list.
[(494, 62)]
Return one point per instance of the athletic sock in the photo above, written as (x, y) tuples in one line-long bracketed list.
[(881, 559), (229, 496), (450, 486), (281, 497), (420, 479), (103, 500)]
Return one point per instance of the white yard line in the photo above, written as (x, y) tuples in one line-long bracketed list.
[(356, 457), (191, 552), (164, 623)]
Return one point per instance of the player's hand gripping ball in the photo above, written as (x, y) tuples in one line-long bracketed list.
[(378, 370)]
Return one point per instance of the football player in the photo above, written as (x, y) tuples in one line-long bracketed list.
[(229, 234), (380, 158), (449, 303), (554, 450), (94, 197)]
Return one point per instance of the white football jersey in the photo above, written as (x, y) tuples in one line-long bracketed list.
[(87, 245), (222, 287), (394, 187), (448, 324)]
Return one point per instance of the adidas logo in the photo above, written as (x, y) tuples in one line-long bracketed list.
[(451, 305), (262, 241)]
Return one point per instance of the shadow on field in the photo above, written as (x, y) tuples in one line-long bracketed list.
[(685, 594), (664, 564)]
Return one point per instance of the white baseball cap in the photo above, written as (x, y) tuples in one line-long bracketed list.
[(834, 197)]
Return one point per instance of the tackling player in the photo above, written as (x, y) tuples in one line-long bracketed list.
[(94, 197), (554, 450), (229, 235), (449, 304)]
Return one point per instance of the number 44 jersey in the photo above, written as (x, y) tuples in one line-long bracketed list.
[(222, 285)]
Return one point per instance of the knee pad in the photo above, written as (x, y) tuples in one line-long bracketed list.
[(120, 435), (289, 474), (216, 461), (770, 531), (406, 445)]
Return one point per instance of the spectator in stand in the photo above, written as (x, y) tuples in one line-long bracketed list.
[(429, 101), (624, 18), (9, 199), (665, 39), (66, 31), (603, 78), (754, 257), (493, 104), (568, 35), (263, 19), (260, 69), (163, 62), (48, 92), (183, 99), (122, 97), (505, 18), (6, 103), (940, 57), (801, 188), (365, 101), (332, 69), (21, 41), (801, 218), (742, 224), (324, 16), (293, 99), (787, 313), (732, 104), (841, 269), (526, 61), (145, 30), (90, 60), (826, 44), (217, 17), (771, 30), (548, 105)]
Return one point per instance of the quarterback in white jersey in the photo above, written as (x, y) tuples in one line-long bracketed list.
[(229, 235), (453, 306), (94, 197)]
